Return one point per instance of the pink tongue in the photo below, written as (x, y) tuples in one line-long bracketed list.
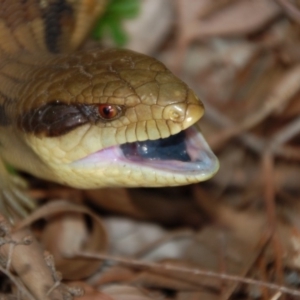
[(108, 154)]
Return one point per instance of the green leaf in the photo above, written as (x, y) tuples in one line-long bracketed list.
[(118, 34), (10, 169), (111, 22), (125, 8)]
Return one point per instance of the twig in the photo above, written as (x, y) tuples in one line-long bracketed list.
[(263, 276), (218, 140), (269, 191), (286, 134), (276, 296), (17, 283), (214, 6), (9, 256), (290, 9), (165, 267), (269, 196), (278, 97), (253, 142), (49, 259), (28, 263)]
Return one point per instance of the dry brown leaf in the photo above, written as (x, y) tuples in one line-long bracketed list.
[(28, 262), (197, 296), (90, 292), (60, 237), (113, 275), (116, 200), (163, 281), (241, 17), (123, 292)]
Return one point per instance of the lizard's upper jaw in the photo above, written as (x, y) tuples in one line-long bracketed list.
[(185, 153)]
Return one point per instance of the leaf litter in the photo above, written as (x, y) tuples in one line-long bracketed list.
[(236, 236)]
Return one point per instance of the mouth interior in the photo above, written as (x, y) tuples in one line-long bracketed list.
[(171, 148), (186, 153)]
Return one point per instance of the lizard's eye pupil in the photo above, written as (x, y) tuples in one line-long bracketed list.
[(108, 111)]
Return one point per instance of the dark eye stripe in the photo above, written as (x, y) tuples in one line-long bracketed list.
[(53, 119), (57, 118)]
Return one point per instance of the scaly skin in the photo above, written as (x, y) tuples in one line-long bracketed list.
[(154, 103)]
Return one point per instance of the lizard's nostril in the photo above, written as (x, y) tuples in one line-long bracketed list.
[(175, 112)]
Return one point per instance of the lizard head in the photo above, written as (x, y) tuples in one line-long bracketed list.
[(115, 118)]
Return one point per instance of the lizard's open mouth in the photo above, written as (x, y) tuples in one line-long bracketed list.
[(186, 152)]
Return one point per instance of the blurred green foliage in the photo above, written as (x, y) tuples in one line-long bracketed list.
[(111, 22), (11, 169)]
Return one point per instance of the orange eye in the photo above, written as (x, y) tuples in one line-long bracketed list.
[(108, 112)]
